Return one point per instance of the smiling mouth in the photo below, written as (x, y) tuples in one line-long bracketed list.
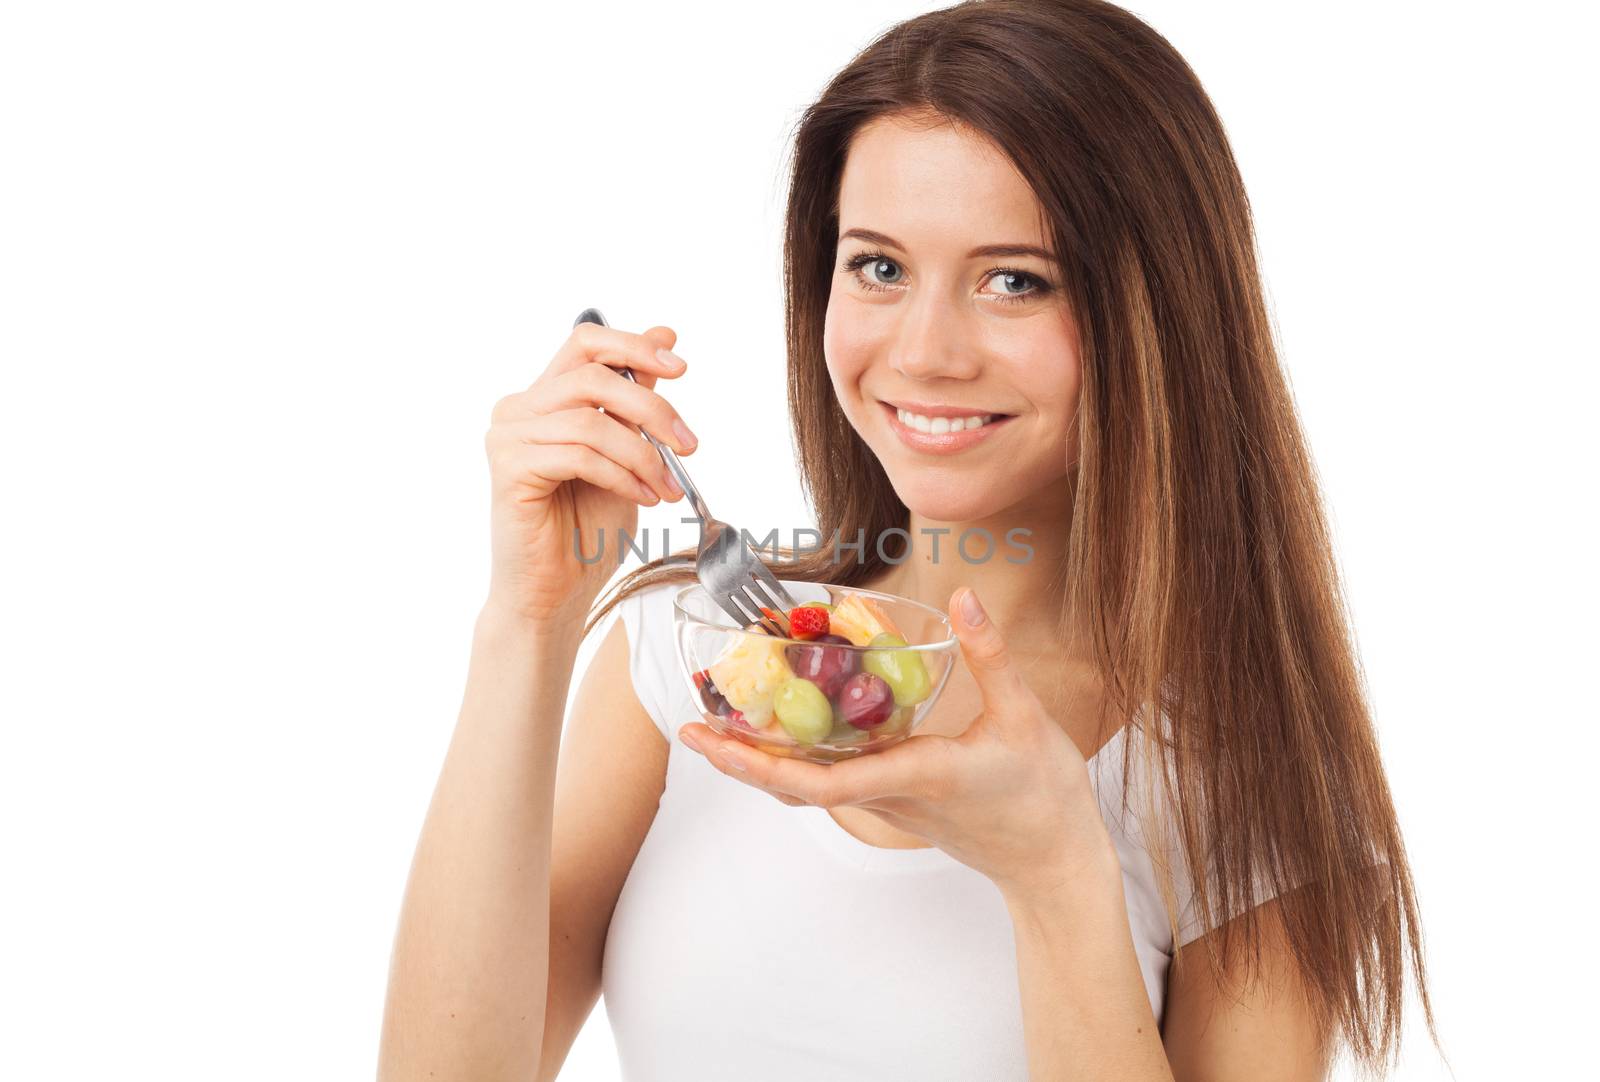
[(941, 429), (939, 425)]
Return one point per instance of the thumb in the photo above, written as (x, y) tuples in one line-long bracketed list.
[(984, 648)]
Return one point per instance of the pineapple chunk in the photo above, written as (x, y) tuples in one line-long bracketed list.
[(859, 619), (748, 674)]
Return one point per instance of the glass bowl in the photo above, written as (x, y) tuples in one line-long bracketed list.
[(857, 682)]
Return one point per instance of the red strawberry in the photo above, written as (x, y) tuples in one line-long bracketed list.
[(807, 623)]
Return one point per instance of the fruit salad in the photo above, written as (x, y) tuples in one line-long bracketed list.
[(819, 686)]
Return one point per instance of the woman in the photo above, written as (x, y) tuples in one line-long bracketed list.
[(1144, 834)]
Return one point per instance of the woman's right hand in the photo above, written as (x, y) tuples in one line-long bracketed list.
[(558, 465)]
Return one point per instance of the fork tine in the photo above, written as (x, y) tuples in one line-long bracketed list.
[(749, 612), (772, 626), (746, 612), (781, 599), (760, 604), (774, 598)]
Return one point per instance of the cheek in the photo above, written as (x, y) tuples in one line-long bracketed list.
[(1069, 393), (1053, 389), (1048, 371), (845, 353)]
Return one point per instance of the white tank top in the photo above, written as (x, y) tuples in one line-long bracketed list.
[(753, 940)]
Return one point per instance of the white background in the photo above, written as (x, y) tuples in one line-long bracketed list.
[(265, 268)]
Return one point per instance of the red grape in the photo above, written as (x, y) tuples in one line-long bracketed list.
[(866, 700), (822, 664)]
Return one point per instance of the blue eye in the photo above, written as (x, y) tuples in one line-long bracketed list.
[(856, 264), (874, 258), (1012, 277)]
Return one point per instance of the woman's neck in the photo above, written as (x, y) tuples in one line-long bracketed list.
[(1014, 559)]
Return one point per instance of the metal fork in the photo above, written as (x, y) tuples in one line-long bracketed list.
[(726, 565)]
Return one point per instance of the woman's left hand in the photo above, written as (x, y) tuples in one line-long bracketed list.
[(1009, 797)]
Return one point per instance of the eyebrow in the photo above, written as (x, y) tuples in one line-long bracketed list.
[(983, 251)]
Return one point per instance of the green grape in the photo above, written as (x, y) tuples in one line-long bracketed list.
[(902, 670), (803, 710)]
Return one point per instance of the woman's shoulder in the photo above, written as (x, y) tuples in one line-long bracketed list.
[(647, 618), (650, 609), (1139, 801)]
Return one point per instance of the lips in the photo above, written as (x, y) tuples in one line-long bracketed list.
[(941, 429), (937, 425)]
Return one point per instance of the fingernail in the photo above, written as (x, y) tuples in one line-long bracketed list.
[(670, 359), (647, 494), (731, 757), (672, 484), (683, 735), (971, 611), (685, 437)]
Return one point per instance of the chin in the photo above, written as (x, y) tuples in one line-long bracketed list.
[(941, 499)]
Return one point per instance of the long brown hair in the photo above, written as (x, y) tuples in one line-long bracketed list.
[(1199, 554)]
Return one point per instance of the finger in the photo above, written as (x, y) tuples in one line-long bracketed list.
[(602, 387), (613, 439), (664, 338), (984, 649), (545, 466), (595, 385), (903, 770), (705, 741), (619, 349)]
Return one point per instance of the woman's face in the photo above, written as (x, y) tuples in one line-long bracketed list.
[(924, 340)]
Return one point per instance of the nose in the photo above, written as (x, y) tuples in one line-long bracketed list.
[(929, 343)]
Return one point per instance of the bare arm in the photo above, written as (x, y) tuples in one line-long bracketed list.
[(471, 980), (1087, 1015), (612, 774), (531, 975), (1085, 1012), (1260, 1030), (468, 979)]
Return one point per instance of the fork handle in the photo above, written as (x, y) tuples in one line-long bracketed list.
[(675, 467)]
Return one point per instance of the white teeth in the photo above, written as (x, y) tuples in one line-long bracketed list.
[(937, 425)]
